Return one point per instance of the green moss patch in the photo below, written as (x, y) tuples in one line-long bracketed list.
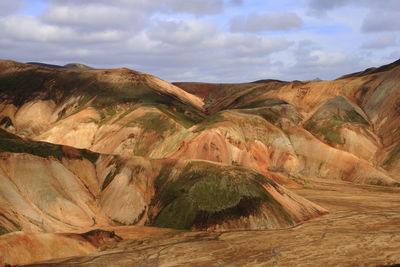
[(40, 149), (153, 121), (270, 102), (336, 113), (209, 122), (326, 128), (393, 155), (205, 194), (3, 230), (6, 135), (176, 116), (269, 115), (162, 178), (354, 116), (320, 165), (266, 113), (14, 144), (186, 118), (331, 135), (155, 126)]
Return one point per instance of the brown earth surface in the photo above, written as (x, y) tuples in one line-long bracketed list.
[(362, 230)]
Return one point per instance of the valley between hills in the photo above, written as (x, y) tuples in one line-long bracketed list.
[(115, 167)]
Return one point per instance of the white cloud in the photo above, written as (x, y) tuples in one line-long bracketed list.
[(28, 28), (196, 7), (97, 16), (380, 42), (179, 32), (312, 60), (324, 58), (381, 22), (258, 46), (236, 2), (256, 22), (327, 4), (393, 55), (9, 6), (323, 5)]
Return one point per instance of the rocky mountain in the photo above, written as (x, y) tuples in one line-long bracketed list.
[(82, 149)]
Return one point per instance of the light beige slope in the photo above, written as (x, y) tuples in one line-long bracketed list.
[(45, 195), (165, 87), (321, 160), (137, 131)]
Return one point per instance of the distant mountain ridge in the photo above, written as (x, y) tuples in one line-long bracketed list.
[(75, 66)]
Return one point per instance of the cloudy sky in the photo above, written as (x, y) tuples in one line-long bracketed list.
[(205, 40)]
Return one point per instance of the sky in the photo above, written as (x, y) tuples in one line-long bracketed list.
[(205, 40)]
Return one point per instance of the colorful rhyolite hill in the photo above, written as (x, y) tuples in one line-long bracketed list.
[(84, 148)]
